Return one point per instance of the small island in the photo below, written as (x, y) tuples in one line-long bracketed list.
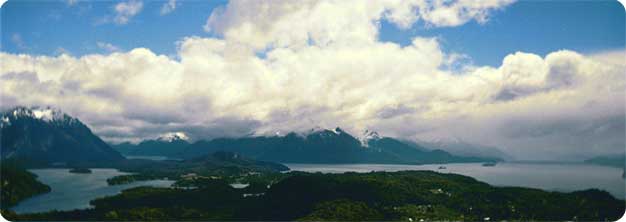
[(489, 164), (374, 196), (80, 170)]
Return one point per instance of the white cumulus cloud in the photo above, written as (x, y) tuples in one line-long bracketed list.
[(319, 73), (108, 47), (124, 11), (262, 24), (168, 7)]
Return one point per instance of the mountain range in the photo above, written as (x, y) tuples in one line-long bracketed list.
[(315, 146), (166, 145), (615, 160), (309, 147), (462, 148), (326, 146), (47, 136)]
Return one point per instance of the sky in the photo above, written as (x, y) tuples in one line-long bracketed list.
[(537, 79)]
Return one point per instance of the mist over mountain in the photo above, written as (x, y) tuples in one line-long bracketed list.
[(166, 145), (615, 160), (326, 146), (463, 148), (223, 159), (44, 136)]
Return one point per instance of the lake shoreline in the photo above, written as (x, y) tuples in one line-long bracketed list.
[(551, 177), (70, 191), (503, 174)]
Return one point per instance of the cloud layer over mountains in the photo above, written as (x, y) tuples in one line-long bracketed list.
[(284, 65)]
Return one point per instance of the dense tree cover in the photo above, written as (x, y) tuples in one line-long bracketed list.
[(129, 178), (350, 197), (343, 210), (17, 184), (219, 164)]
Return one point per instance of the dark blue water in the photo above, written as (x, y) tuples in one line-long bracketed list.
[(74, 191), (158, 158), (553, 177)]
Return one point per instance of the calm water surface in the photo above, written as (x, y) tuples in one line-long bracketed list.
[(74, 191), (554, 177), (158, 158)]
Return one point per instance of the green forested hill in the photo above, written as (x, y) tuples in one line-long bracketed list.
[(351, 197), (218, 164), (17, 184)]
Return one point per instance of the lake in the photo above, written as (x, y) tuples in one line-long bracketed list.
[(158, 158), (547, 176), (74, 191)]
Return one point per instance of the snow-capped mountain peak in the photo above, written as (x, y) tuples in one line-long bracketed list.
[(172, 136), (367, 136), (320, 131), (47, 135), (337, 130), (47, 114), (4, 121)]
